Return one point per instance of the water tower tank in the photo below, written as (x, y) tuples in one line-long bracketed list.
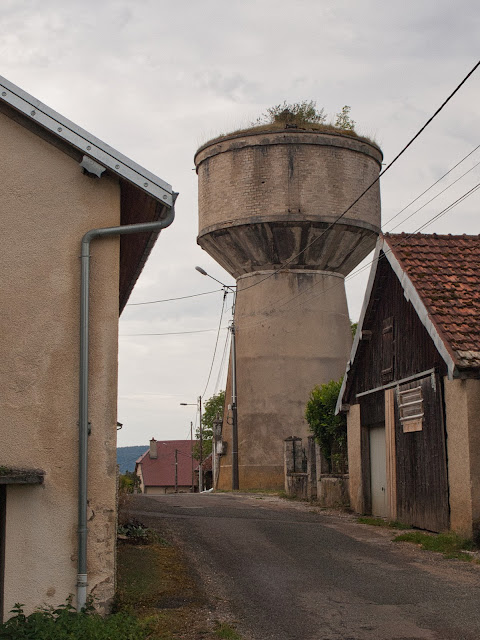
[(266, 201)]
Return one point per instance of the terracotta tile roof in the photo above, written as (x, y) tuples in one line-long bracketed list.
[(160, 471), (445, 271)]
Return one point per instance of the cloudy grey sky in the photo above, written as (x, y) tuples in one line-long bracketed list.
[(155, 79)]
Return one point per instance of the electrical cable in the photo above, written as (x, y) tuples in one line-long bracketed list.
[(355, 272), (382, 173), (222, 364), (194, 295), (173, 333), (432, 199), (431, 186), (425, 224), (443, 212), (216, 341)]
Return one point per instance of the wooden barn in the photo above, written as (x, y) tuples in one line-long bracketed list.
[(412, 386)]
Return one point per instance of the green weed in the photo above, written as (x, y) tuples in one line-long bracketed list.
[(380, 522), (450, 544), (226, 632)]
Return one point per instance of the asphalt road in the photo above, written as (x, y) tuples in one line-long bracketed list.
[(288, 571)]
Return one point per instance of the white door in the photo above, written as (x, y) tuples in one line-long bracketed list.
[(378, 471)]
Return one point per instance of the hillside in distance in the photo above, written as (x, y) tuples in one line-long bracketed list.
[(126, 457)]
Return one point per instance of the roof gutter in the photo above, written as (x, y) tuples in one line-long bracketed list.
[(84, 387)]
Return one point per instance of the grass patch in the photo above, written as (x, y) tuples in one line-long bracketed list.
[(449, 544), (227, 632), (156, 585), (152, 577), (380, 522), (276, 127)]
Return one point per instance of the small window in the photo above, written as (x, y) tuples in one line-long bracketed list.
[(387, 350), (410, 406)]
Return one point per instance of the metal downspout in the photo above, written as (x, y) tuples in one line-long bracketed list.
[(83, 388)]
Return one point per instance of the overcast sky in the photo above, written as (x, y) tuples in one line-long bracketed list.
[(155, 79)]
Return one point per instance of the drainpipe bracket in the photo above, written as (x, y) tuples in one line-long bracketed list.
[(91, 168)]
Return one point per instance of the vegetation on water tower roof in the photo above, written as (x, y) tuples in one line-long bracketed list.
[(300, 116)]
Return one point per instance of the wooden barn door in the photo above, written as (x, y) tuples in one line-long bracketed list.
[(422, 484)]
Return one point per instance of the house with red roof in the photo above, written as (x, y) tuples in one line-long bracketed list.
[(411, 391), (167, 467)]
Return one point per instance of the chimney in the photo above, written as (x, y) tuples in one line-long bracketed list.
[(153, 449)]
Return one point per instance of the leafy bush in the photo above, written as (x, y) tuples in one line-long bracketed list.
[(65, 623), (212, 406), (298, 113), (137, 533), (329, 430), (301, 114), (128, 482)]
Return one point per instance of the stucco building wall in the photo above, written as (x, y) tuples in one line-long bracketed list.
[(462, 407), (47, 205)]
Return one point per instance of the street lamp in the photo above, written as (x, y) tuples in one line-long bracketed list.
[(200, 468), (233, 359)]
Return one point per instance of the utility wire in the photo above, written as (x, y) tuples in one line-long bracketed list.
[(216, 341), (431, 186), (432, 199), (288, 299), (382, 173), (425, 224), (173, 333), (222, 365), (194, 295)]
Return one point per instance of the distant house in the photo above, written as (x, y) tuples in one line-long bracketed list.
[(67, 200), (412, 387), (167, 467)]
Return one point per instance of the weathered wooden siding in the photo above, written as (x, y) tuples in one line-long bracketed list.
[(398, 346), (412, 348), (422, 485)]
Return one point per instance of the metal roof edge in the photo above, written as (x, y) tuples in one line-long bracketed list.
[(85, 142), (358, 333), (412, 295)]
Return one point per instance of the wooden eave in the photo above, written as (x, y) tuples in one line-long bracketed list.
[(143, 196)]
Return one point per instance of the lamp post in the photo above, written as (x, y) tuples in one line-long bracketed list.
[(235, 484), (200, 468)]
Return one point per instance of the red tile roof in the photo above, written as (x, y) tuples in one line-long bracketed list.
[(445, 271), (160, 471)]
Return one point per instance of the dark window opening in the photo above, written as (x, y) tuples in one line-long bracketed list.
[(388, 344)]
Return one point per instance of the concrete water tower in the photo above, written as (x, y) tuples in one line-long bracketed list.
[(264, 198)]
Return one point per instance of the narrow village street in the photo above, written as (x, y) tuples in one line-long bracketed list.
[(288, 571)]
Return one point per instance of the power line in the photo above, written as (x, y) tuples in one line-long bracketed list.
[(194, 295), (382, 173), (288, 299), (434, 198), (425, 224), (172, 333), (431, 186), (222, 365), (216, 341)]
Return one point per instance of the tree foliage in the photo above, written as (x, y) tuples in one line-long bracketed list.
[(128, 482), (213, 406), (330, 430)]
